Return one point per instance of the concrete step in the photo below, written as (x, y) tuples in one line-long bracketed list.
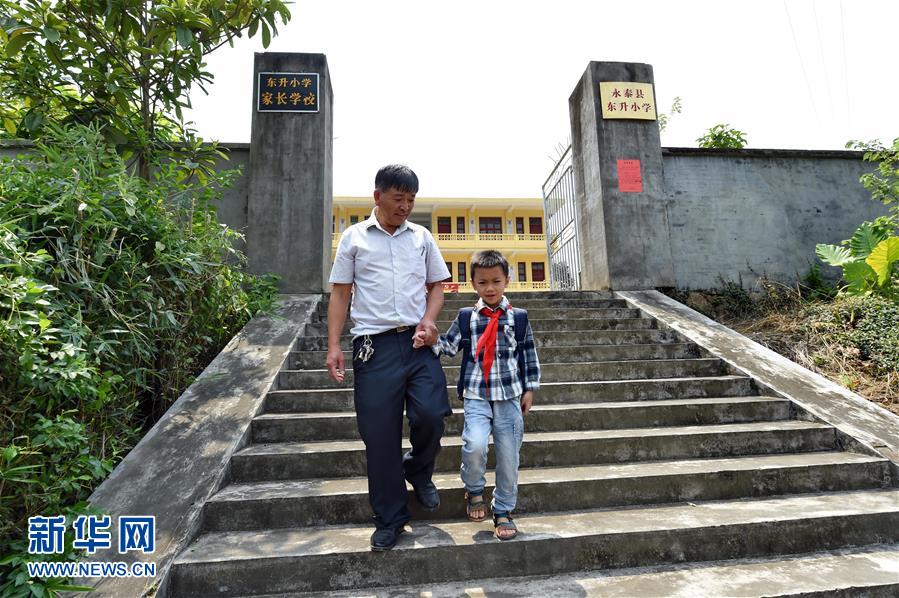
[(551, 372), (338, 557), (342, 458), (452, 305), (553, 325), (520, 296), (525, 296), (307, 360), (550, 313), (319, 342), (298, 503), (862, 572), (551, 393), (310, 427), (447, 315)]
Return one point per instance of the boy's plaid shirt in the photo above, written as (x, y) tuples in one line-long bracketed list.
[(505, 382)]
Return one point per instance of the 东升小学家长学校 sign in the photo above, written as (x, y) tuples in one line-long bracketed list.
[(287, 92)]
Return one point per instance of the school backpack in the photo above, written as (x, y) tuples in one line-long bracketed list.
[(521, 329)]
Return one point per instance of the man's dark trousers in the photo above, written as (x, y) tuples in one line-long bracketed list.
[(398, 376)]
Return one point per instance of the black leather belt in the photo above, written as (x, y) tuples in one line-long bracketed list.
[(397, 330)]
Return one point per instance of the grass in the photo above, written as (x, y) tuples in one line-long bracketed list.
[(853, 341)]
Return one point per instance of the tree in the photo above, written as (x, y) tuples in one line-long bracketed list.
[(722, 136), (676, 108), (125, 65)]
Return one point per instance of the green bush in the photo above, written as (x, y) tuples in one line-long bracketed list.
[(115, 292), (868, 323), (723, 136)]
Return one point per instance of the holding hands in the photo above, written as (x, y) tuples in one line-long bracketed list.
[(425, 334)]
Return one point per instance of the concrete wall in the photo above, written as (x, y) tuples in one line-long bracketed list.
[(745, 213), (232, 210), (732, 214)]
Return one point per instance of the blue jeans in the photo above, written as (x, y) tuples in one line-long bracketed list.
[(504, 420)]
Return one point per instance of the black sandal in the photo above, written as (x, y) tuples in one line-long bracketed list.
[(471, 505), (497, 525)]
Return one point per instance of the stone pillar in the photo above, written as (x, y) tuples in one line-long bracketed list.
[(290, 180), (623, 235)]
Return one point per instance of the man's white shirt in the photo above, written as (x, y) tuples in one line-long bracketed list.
[(389, 273)]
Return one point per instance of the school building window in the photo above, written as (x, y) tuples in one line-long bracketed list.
[(522, 271), (536, 226), (537, 272), (443, 225), (491, 226), (449, 268), (461, 271), (354, 220), (519, 226), (333, 224), (460, 225)]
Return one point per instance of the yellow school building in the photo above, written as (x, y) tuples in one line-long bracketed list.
[(463, 225)]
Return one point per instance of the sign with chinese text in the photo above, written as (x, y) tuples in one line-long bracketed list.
[(629, 178), (287, 92), (626, 99)]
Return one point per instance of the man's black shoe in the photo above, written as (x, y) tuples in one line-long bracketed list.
[(427, 496), (385, 538)]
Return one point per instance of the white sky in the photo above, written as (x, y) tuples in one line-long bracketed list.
[(474, 95)]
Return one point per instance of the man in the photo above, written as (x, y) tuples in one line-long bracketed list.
[(397, 271)]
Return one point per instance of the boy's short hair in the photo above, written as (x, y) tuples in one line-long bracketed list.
[(397, 176), (489, 258)]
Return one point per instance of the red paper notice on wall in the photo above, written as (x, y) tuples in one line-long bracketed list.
[(629, 179)]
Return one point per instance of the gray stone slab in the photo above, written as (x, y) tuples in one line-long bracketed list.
[(182, 460), (319, 342), (316, 359), (305, 427), (847, 411), (554, 325), (333, 558), (295, 503), (864, 572), (555, 393), (453, 305), (553, 372), (299, 460), (552, 311)]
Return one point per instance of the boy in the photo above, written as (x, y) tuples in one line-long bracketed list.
[(499, 375)]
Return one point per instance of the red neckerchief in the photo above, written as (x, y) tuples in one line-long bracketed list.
[(487, 341)]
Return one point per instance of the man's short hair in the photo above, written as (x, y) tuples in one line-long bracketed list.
[(489, 258), (396, 176)]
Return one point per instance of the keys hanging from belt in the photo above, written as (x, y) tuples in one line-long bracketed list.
[(366, 351)]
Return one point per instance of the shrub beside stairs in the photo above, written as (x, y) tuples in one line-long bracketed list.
[(650, 467)]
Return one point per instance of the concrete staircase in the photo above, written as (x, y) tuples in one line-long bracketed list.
[(640, 452)]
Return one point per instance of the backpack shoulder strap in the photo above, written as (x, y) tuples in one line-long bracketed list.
[(521, 330), (521, 324), (464, 318), (465, 323)]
